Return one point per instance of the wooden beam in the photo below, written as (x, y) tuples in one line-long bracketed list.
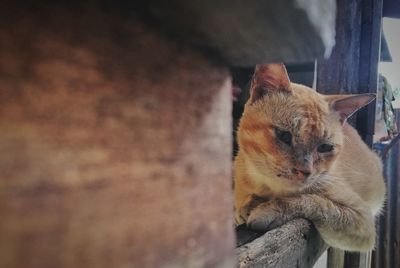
[(353, 68), (370, 43), (335, 258), (353, 65), (295, 244)]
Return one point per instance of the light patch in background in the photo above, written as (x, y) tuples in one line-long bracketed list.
[(391, 70)]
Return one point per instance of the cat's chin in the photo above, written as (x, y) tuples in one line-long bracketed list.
[(296, 180), (293, 184), (288, 176), (288, 184)]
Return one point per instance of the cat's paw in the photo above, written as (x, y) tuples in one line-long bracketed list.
[(265, 217), (241, 215)]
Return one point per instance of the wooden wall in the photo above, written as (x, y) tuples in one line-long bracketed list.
[(352, 69)]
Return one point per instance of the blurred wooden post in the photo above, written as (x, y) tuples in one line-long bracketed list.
[(115, 144), (294, 244)]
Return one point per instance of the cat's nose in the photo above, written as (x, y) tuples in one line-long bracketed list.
[(301, 174)]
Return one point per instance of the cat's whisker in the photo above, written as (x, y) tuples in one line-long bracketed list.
[(353, 170), (333, 177)]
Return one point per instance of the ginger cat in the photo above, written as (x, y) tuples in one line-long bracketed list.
[(298, 158)]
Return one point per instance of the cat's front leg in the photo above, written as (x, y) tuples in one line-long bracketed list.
[(347, 226), (241, 214), (242, 211), (269, 215)]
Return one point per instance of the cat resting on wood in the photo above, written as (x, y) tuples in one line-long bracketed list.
[(298, 158)]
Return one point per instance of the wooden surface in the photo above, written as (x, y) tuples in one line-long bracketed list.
[(353, 68), (371, 28), (246, 33), (335, 258), (115, 144), (296, 244)]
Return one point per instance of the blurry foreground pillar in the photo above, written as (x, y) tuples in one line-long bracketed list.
[(115, 145)]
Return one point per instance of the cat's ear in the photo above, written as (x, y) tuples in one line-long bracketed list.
[(268, 77), (346, 105)]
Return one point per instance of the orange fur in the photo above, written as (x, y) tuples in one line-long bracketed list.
[(350, 176)]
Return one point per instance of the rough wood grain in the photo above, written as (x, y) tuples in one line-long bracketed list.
[(296, 244), (353, 65)]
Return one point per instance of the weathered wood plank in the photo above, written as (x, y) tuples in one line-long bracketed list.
[(295, 244), (353, 68), (353, 65), (335, 258), (371, 24)]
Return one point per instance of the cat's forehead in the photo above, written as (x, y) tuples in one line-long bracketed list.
[(305, 126), (305, 115)]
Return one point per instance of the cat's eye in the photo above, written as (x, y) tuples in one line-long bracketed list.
[(325, 148), (284, 136)]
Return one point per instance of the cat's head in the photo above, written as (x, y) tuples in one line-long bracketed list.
[(289, 134)]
